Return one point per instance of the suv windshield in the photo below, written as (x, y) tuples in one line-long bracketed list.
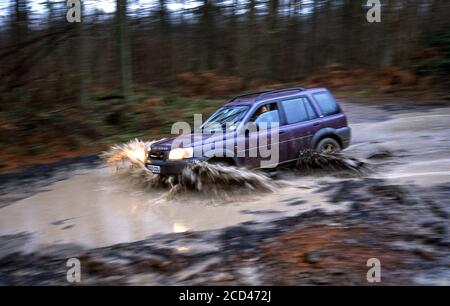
[(227, 118)]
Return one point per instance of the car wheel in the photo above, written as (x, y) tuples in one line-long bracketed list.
[(328, 145)]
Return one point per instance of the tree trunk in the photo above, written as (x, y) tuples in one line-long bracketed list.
[(250, 57), (83, 60), (207, 34), (123, 46), (273, 45)]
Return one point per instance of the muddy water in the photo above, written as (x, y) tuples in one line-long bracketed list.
[(418, 142), (98, 208)]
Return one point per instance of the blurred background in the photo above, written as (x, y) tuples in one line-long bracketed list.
[(133, 67)]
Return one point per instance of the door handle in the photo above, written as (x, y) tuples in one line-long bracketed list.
[(316, 124), (281, 132)]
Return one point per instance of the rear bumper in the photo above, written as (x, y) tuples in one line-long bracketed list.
[(171, 167), (345, 134)]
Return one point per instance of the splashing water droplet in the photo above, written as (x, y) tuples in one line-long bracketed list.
[(197, 176)]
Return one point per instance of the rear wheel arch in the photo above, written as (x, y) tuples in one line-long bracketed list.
[(325, 133)]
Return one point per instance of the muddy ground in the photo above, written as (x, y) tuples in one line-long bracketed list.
[(315, 227)]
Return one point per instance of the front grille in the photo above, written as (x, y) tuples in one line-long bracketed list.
[(157, 155)]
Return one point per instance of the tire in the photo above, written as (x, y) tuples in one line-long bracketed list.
[(328, 145)]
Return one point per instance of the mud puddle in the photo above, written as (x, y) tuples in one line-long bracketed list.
[(97, 207)]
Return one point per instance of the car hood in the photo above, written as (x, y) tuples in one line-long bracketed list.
[(187, 140)]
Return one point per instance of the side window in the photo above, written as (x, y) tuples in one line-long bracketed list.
[(266, 113), (296, 110), (268, 117), (327, 103)]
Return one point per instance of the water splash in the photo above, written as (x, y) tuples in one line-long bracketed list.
[(310, 160), (216, 179), (133, 152), (130, 159), (205, 176)]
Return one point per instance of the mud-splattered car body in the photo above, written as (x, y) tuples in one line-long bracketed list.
[(306, 119)]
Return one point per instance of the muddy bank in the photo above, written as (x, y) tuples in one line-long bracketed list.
[(405, 228)]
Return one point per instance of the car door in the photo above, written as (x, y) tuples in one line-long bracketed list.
[(313, 124), (300, 122), (262, 141)]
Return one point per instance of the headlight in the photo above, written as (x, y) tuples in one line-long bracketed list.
[(181, 153)]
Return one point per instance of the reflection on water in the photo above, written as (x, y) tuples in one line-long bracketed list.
[(179, 227), (134, 209), (182, 249)]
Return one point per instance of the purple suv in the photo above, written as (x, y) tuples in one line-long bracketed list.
[(241, 133)]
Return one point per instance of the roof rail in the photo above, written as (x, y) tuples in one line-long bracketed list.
[(249, 94), (277, 91), (261, 94)]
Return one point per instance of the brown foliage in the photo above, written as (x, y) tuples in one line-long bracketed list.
[(334, 76), (209, 83), (390, 80), (398, 76), (426, 54)]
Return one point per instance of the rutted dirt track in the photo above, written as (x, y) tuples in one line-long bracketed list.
[(314, 228)]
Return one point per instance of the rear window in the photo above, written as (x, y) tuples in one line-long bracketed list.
[(327, 103)]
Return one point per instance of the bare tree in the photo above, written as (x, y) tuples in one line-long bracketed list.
[(123, 46), (84, 62)]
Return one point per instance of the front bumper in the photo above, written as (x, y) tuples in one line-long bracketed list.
[(171, 167)]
